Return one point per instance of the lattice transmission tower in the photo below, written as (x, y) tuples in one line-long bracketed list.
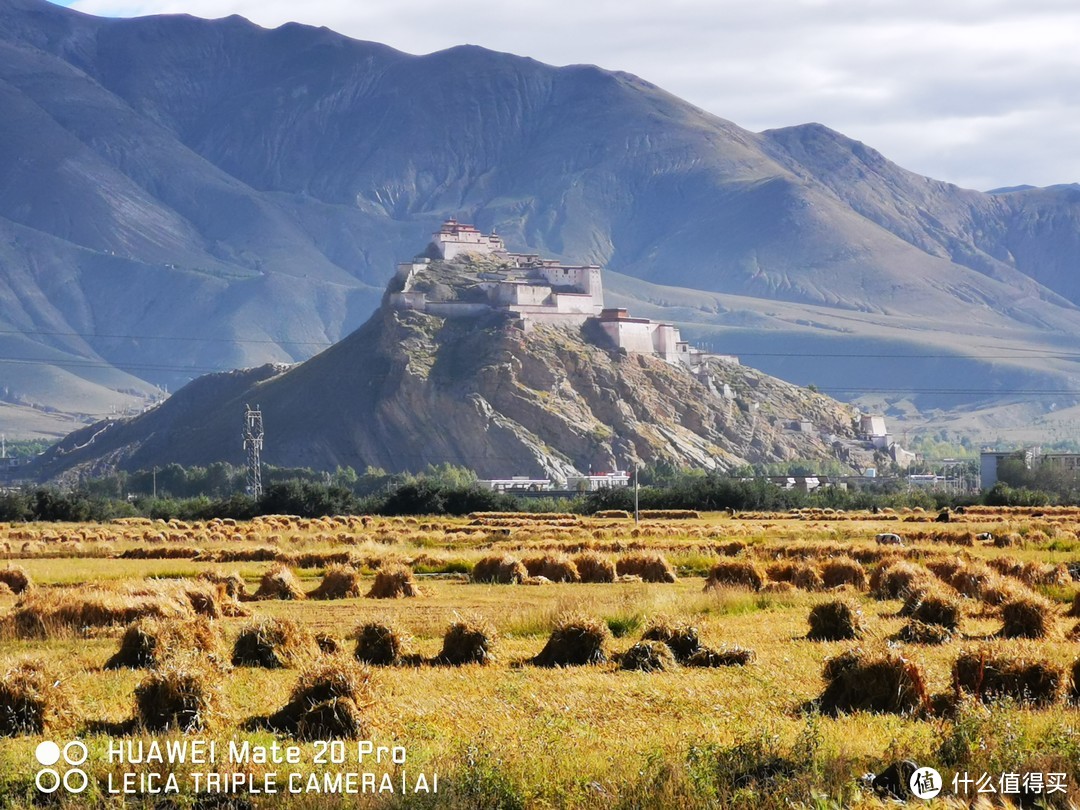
[(253, 442)]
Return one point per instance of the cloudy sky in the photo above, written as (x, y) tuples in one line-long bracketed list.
[(983, 93)]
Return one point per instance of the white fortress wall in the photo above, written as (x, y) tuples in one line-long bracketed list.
[(632, 335), (574, 302), (510, 293)]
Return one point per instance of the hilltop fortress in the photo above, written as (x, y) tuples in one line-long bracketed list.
[(465, 272)]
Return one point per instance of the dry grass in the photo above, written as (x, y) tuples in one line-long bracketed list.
[(273, 644), (469, 641), (648, 656), (181, 695), (842, 571), (46, 612), (150, 642), (892, 579), (836, 620), (991, 677), (576, 640), (15, 578), (1027, 618), (726, 657), (503, 569), (651, 567), (378, 644), (280, 583), (338, 582), (593, 567), (884, 683), (327, 702), (916, 632), (32, 700), (553, 567), (394, 581), (681, 637), (735, 573)]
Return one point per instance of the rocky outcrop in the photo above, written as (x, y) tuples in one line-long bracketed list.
[(410, 389)]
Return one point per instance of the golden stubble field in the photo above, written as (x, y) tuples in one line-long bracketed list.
[(510, 733)]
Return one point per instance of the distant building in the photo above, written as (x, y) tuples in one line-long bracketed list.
[(591, 483), (991, 460), (517, 483)]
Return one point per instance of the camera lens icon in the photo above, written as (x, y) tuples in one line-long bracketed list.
[(73, 779)]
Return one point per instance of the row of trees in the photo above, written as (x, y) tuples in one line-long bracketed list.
[(196, 493)]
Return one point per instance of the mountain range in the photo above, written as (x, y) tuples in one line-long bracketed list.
[(180, 195)]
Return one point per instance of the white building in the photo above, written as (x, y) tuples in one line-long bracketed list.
[(591, 483), (539, 291)]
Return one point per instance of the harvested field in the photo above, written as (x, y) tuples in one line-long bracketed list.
[(478, 683)]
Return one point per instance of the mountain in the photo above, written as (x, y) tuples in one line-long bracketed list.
[(181, 195), (410, 388)]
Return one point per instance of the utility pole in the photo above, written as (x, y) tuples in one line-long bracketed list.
[(636, 513), (3, 445), (253, 442), (155, 483)]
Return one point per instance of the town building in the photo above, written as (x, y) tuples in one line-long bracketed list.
[(1032, 457)]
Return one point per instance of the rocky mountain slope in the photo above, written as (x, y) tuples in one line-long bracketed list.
[(410, 389), (181, 195)]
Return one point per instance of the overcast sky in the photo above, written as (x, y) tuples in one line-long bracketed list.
[(983, 93)]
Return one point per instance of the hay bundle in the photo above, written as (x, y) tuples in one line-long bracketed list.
[(338, 582), (726, 657), (1074, 609), (43, 612), (612, 514), (1034, 573), (31, 699), (327, 644), (327, 702), (1074, 691), (916, 632), (553, 567), (279, 583), (881, 683), (231, 584), (209, 600), (273, 644), (838, 620), (500, 568), (147, 643), (648, 656), (651, 567), (394, 581), (178, 696), (469, 641), (914, 597), (843, 571), (938, 609), (735, 573), (681, 638), (799, 575), (1026, 618), (893, 578), (378, 644), (594, 568), (973, 580), (988, 677), (575, 641), (15, 578)]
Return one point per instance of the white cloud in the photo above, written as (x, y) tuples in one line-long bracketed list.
[(979, 92)]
